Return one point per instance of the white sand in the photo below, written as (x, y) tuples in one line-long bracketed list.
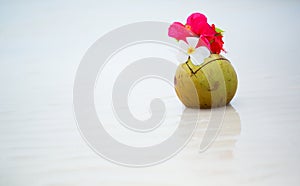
[(41, 45)]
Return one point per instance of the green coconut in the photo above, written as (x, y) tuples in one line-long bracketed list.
[(210, 84)]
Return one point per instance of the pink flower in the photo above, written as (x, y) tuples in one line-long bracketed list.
[(195, 18), (197, 23), (180, 32)]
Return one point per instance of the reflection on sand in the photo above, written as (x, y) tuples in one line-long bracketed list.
[(224, 136)]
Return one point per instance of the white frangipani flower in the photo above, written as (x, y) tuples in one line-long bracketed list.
[(197, 55)]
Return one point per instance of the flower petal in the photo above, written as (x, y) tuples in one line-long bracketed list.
[(196, 17), (203, 41), (203, 28), (192, 41), (197, 60), (179, 32), (200, 54), (182, 57), (203, 51), (183, 46)]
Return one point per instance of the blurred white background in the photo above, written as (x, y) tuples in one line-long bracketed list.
[(42, 43)]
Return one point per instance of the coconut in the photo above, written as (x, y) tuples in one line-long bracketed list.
[(210, 84)]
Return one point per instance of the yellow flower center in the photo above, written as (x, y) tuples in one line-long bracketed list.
[(188, 27), (190, 50)]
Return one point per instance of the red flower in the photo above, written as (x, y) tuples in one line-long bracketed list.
[(216, 42), (216, 45)]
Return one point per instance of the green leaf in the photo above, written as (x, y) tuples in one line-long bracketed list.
[(219, 30)]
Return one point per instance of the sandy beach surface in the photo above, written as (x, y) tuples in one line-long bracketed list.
[(42, 44)]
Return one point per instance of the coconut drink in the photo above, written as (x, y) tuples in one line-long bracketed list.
[(204, 78)]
